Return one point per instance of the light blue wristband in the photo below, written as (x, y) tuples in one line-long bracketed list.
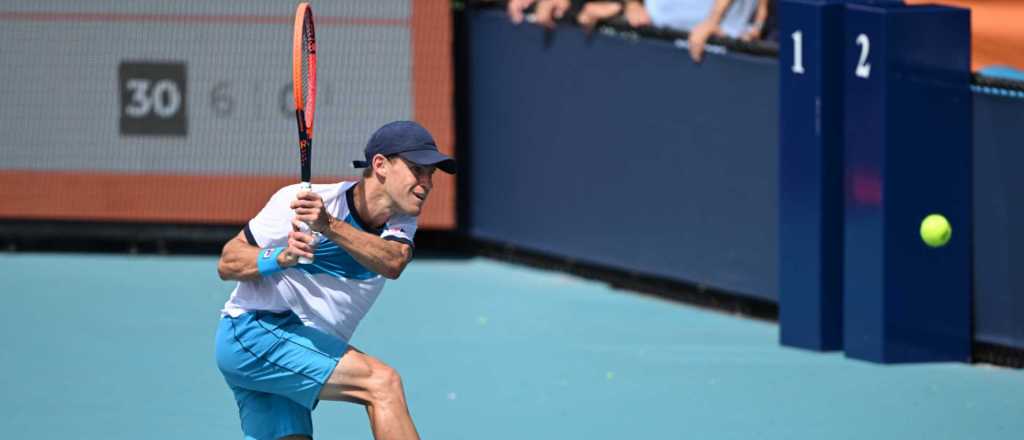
[(267, 261)]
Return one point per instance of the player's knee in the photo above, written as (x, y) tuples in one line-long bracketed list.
[(388, 379), (386, 384)]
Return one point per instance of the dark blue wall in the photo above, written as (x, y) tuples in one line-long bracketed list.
[(626, 154), (998, 219)]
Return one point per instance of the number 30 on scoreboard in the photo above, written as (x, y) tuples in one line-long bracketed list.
[(153, 98)]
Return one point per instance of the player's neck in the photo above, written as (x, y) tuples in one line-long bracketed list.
[(372, 203)]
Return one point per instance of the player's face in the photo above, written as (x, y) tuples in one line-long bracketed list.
[(409, 185)]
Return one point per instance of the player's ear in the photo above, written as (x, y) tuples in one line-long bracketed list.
[(380, 164)]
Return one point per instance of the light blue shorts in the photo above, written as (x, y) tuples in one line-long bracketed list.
[(276, 367)]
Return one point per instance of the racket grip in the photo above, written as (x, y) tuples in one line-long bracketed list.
[(316, 239), (305, 227)]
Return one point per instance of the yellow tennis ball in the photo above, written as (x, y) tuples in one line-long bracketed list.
[(935, 230)]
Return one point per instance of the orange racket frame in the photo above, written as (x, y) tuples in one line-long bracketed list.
[(304, 90), (304, 51)]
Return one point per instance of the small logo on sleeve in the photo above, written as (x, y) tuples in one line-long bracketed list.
[(267, 253)]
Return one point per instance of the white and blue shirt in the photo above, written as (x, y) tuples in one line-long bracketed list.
[(334, 292)]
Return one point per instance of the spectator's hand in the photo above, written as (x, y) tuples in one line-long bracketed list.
[(549, 11), (636, 14), (756, 29), (515, 9), (753, 33), (593, 12), (699, 37)]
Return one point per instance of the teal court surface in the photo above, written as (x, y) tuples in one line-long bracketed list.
[(121, 347)]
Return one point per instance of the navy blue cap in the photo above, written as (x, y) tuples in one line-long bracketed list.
[(409, 140)]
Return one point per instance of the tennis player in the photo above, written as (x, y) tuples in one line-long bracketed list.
[(283, 339)]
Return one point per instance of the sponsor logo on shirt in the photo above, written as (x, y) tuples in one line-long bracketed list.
[(267, 253)]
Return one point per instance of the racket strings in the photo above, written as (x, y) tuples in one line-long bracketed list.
[(308, 52)]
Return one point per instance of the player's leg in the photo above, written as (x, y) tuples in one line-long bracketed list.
[(276, 354), (363, 379), (267, 416), (275, 366)]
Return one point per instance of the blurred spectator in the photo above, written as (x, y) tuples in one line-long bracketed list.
[(704, 18), (740, 19), (636, 14), (756, 30), (517, 9), (595, 11), (546, 12), (632, 10)]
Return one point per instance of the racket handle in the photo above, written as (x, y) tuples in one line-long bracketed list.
[(305, 227)]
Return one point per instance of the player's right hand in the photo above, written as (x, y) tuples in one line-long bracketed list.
[(300, 244)]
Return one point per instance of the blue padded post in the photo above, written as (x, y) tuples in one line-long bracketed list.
[(810, 173), (908, 139)]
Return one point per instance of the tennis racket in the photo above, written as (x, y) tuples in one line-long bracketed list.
[(304, 91)]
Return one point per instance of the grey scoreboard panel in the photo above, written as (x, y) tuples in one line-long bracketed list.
[(193, 87)]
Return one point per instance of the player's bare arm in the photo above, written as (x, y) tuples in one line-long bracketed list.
[(238, 257), (385, 257), (388, 258)]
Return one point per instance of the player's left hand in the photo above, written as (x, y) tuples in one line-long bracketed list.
[(309, 209)]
